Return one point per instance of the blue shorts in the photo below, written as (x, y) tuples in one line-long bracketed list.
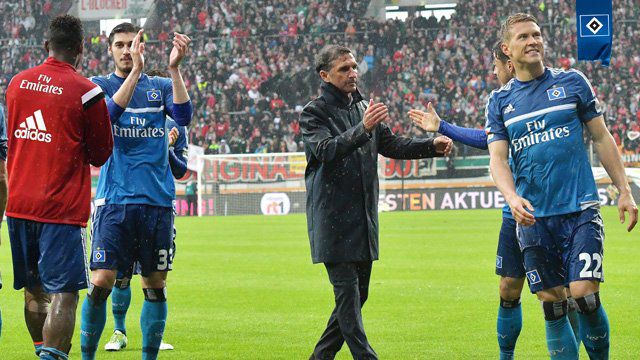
[(509, 262), (561, 249), (123, 234), (50, 255), (136, 269)]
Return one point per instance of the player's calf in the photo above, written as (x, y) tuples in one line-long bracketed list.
[(594, 326), (36, 306), (152, 321), (94, 317), (561, 342), (58, 329), (509, 323), (120, 301)]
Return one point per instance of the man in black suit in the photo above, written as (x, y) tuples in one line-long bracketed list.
[(343, 135)]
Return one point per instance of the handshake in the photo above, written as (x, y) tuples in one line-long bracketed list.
[(428, 121)]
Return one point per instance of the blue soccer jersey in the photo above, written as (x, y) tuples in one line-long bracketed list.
[(138, 171), (543, 122)]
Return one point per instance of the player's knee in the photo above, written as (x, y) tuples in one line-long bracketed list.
[(155, 294), (35, 300), (98, 295), (103, 278), (552, 295), (589, 303), (123, 283), (510, 288), (554, 310)]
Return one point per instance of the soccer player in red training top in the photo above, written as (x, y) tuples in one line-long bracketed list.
[(58, 124)]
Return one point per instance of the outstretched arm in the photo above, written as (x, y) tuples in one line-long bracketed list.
[(430, 121)]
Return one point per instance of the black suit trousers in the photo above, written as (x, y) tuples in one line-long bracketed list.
[(351, 288)]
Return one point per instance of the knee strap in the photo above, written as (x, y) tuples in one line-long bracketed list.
[(123, 283), (155, 295), (589, 304), (97, 294), (509, 304), (554, 310)]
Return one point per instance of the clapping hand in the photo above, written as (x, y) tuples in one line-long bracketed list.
[(374, 115), (180, 48), (137, 51)]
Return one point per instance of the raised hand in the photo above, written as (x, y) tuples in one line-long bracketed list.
[(180, 47), (374, 115), (428, 121), (443, 145), (627, 204), (137, 51)]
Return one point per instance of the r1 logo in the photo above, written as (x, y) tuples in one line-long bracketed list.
[(275, 204)]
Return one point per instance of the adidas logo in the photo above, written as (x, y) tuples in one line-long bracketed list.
[(509, 109), (33, 128)]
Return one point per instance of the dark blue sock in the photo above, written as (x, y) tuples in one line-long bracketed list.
[(560, 339), (120, 301), (509, 326), (152, 321), (49, 353), (594, 332), (91, 326)]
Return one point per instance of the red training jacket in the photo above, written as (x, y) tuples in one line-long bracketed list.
[(57, 124)]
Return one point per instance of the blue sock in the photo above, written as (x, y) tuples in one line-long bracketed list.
[(560, 339), (575, 324), (509, 326), (49, 353), (38, 347), (152, 321), (91, 326), (120, 300), (594, 331)]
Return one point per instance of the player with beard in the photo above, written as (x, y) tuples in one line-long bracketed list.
[(133, 220)]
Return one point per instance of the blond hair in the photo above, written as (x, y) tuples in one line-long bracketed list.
[(512, 20)]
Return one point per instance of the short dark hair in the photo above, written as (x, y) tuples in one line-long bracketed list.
[(498, 53), (124, 27), (328, 54), (65, 34), (505, 33)]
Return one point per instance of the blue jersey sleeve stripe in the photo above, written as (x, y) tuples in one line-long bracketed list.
[(539, 112)]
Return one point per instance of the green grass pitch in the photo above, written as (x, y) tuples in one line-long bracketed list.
[(244, 288)]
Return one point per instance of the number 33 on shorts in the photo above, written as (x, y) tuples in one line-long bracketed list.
[(165, 259)]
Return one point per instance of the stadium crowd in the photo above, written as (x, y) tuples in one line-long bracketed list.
[(251, 70)]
